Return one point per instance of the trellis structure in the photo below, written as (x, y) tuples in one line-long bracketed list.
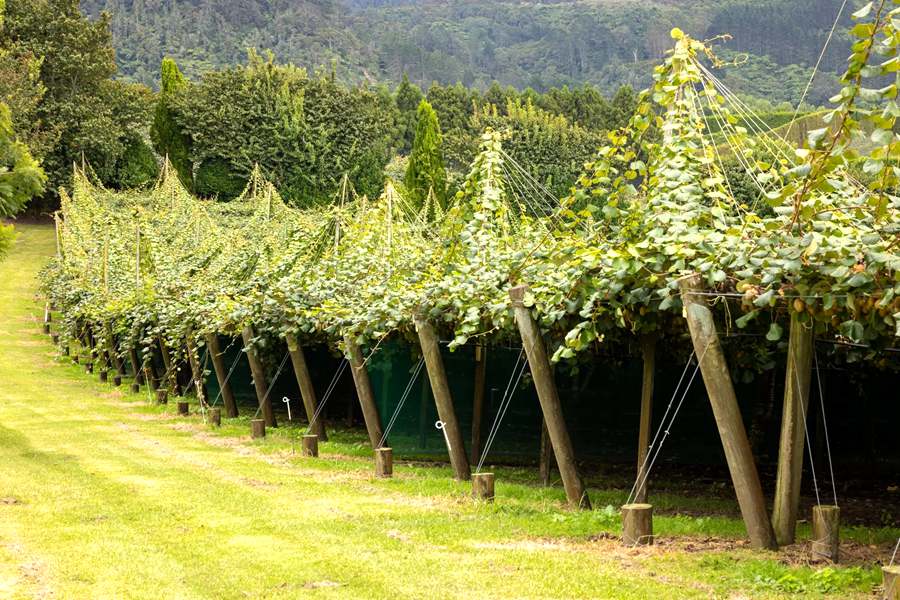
[(650, 235)]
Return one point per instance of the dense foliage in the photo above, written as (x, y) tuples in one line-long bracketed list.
[(425, 173), (56, 67), (654, 205), (539, 45)]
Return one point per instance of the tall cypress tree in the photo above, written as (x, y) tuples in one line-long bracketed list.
[(168, 139), (407, 98), (426, 161)]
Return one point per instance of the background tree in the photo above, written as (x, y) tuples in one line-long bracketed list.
[(21, 177), (426, 161), (168, 138), (407, 98), (78, 112)]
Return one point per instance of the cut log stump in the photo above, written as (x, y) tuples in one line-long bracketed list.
[(184, 409), (384, 462), (826, 533), (257, 428), (637, 525), (483, 486), (311, 445)]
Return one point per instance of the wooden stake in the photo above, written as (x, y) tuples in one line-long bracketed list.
[(721, 394), (310, 445), (545, 460), (478, 400), (637, 524), (135, 388), (135, 367), (117, 380), (542, 375), (215, 417), (259, 377), (162, 396), (826, 539), (196, 369), (307, 391), (113, 353), (104, 376), (793, 431), (891, 576), (170, 367), (257, 428), (364, 391), (483, 486), (384, 462), (215, 352), (648, 352), (184, 409), (440, 388)]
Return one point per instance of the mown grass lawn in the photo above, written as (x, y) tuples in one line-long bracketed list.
[(105, 496)]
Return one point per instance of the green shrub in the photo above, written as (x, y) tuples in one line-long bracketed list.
[(137, 167), (216, 177)]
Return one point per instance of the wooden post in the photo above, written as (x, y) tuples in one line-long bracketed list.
[(542, 375), (169, 364), (135, 388), (364, 391), (545, 460), (162, 396), (104, 375), (135, 366), (478, 400), (483, 486), (307, 391), (648, 353), (215, 353), (184, 409), (257, 428), (637, 524), (826, 539), (259, 377), (793, 430), (196, 369), (54, 337), (113, 352), (310, 445), (727, 414), (384, 462), (215, 417), (891, 576), (440, 388)]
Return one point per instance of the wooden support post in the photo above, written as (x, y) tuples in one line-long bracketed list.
[(826, 538), (542, 374), (440, 388), (384, 462), (721, 394), (184, 409), (215, 353), (169, 364), (137, 371), (104, 375), (135, 388), (196, 369), (259, 377), (478, 400), (364, 391), (891, 576), (162, 396), (648, 353), (637, 524), (545, 460), (117, 380), (112, 350), (310, 445), (483, 486), (257, 428), (215, 417), (307, 391), (793, 430), (54, 337)]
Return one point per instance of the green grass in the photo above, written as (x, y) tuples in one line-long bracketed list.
[(105, 496)]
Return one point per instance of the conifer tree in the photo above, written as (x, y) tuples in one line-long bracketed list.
[(168, 139), (407, 98), (426, 161)]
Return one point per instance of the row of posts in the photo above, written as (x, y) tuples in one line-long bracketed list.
[(637, 517)]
